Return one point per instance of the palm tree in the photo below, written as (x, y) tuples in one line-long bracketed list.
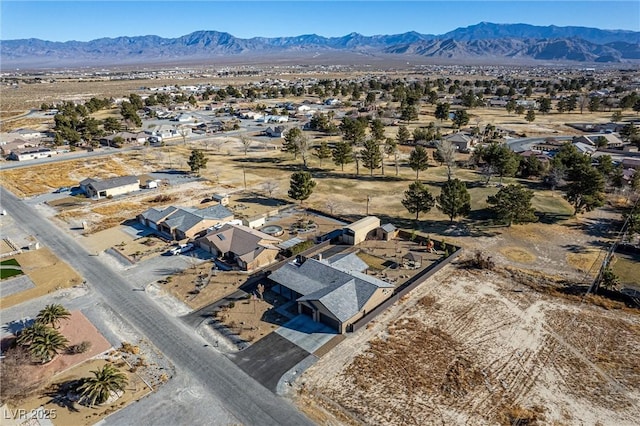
[(47, 344), (28, 334), (52, 314), (96, 390)]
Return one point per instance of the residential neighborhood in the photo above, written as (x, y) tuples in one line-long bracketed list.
[(357, 239)]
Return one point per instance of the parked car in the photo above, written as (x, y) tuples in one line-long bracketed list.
[(62, 189), (182, 248)]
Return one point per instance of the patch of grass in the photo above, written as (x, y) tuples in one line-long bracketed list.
[(9, 262), (551, 203), (374, 262), (13, 270), (626, 267)]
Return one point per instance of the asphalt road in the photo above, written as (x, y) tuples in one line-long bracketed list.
[(242, 396)]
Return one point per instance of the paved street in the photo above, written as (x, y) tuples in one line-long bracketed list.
[(242, 396)]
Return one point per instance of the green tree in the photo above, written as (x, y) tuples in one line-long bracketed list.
[(460, 118), (342, 154), (111, 124), (454, 200), (403, 135), (530, 166), (442, 111), (377, 130), (291, 142), (594, 104), (511, 106), (301, 186), (544, 105), (52, 315), (353, 130), (96, 390), (419, 160), (391, 148), (585, 192), (408, 112), (370, 155), (512, 204), (605, 165), (501, 159), (531, 115), (197, 161), (417, 199), (322, 152)]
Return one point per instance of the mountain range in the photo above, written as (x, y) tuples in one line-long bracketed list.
[(499, 43)]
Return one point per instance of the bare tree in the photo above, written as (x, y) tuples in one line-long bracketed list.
[(217, 143), (246, 143), (270, 187), (184, 132), (332, 205), (303, 148), (447, 153)]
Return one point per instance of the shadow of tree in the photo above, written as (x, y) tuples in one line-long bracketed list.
[(59, 394)]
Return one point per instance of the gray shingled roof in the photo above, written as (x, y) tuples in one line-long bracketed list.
[(348, 262), (344, 293), (185, 218), (243, 241), (387, 227)]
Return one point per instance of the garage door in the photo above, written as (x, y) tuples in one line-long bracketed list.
[(307, 310), (331, 322)]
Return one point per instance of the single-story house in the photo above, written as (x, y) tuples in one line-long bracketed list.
[(544, 158), (221, 199), (7, 147), (27, 133), (30, 153), (358, 231), (613, 141), (584, 148), (111, 187), (249, 248), (335, 292), (462, 141), (179, 223), (127, 137), (166, 131), (275, 132)]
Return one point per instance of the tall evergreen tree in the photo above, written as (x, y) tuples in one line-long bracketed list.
[(197, 161), (419, 160), (322, 152), (454, 200), (417, 199), (370, 155), (512, 204), (342, 154), (301, 186)]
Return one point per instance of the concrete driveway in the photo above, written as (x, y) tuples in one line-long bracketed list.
[(306, 333)]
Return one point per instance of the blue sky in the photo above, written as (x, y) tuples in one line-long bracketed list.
[(87, 20)]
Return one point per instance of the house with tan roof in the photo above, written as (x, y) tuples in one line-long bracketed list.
[(248, 248)]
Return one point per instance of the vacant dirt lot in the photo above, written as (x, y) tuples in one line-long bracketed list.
[(472, 347)]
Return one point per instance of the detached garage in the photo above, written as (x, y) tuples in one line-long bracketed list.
[(358, 231)]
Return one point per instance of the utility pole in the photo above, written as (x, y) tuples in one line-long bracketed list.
[(368, 200)]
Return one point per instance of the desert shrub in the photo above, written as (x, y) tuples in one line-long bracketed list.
[(480, 261), (232, 305), (129, 348), (298, 248), (80, 348), (15, 384)]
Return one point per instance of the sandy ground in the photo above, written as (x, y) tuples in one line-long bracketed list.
[(476, 348), (76, 414), (47, 272)]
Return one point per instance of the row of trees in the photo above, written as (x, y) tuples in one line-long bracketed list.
[(511, 204)]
